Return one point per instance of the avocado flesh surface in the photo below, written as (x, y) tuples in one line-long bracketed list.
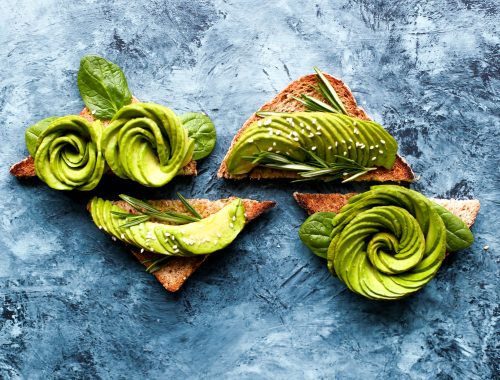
[(146, 142), (326, 134), (404, 229), (197, 238)]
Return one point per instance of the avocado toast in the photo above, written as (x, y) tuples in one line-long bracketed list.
[(290, 101), (174, 270), (386, 243), (115, 133)]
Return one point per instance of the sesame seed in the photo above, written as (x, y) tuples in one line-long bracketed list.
[(142, 250), (374, 158), (259, 123), (278, 132), (336, 144), (174, 247), (270, 149), (356, 132), (318, 127), (345, 153), (313, 148), (318, 133), (295, 133), (250, 141), (219, 235), (362, 146), (371, 147), (100, 227), (313, 120), (308, 127), (234, 218), (376, 146), (330, 147), (93, 112), (345, 173), (113, 238), (267, 121), (122, 236), (350, 139), (343, 141), (303, 131), (381, 151), (311, 134), (486, 247), (173, 237), (354, 123), (296, 138), (277, 152), (151, 249), (382, 141), (167, 234), (231, 225), (349, 147), (301, 124), (274, 144)]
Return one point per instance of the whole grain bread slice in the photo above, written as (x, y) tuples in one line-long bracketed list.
[(466, 210), (175, 271), (26, 167), (285, 102)]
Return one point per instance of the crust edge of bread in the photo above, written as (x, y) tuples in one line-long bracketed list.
[(467, 210)]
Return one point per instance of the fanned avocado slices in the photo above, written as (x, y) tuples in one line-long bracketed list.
[(197, 238)]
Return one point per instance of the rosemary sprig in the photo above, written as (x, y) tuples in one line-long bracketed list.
[(314, 168), (334, 103), (146, 211), (155, 263)]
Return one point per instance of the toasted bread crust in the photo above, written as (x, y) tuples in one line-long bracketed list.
[(174, 273), (466, 210), (285, 102), (26, 167)]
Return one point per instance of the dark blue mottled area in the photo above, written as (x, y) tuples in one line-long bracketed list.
[(76, 305)]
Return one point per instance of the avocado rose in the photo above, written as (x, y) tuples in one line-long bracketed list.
[(146, 143), (68, 153), (389, 242)]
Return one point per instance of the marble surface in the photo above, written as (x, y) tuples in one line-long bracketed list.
[(76, 305)]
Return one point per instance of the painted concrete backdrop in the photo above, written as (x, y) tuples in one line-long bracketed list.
[(76, 305)]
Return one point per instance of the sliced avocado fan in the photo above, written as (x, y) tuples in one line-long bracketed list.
[(197, 238), (327, 135)]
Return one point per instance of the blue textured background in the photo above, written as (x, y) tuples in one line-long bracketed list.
[(75, 304)]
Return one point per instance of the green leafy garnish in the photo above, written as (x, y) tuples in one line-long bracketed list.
[(145, 211), (315, 232), (314, 167), (36, 130), (201, 129), (458, 234), (103, 86), (326, 89), (154, 263)]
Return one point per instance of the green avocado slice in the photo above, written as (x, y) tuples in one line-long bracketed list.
[(328, 135), (198, 238)]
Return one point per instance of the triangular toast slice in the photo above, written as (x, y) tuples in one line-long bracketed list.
[(175, 271), (466, 210), (26, 167), (285, 102)]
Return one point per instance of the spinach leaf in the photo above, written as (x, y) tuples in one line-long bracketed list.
[(201, 129), (458, 235), (315, 232), (36, 130), (103, 86)]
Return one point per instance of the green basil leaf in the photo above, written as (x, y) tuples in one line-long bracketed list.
[(458, 234), (201, 129), (34, 131), (315, 232), (103, 86)]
